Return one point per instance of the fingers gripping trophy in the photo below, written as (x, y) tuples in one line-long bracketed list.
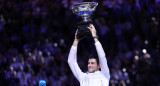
[(84, 10)]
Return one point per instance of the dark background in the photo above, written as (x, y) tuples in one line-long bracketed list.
[(36, 35)]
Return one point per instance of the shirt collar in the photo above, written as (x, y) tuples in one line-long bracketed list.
[(94, 72)]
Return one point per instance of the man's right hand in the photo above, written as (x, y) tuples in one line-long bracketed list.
[(76, 40)]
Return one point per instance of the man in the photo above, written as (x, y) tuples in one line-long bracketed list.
[(94, 77)]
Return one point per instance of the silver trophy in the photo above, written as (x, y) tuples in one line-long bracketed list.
[(84, 10)]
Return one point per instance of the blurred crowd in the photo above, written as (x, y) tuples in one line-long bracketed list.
[(36, 36)]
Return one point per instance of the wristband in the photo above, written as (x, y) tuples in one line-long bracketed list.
[(95, 37)]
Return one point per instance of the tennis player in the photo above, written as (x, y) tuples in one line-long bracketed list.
[(98, 71)]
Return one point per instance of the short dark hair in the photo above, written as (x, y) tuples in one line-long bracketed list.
[(94, 56)]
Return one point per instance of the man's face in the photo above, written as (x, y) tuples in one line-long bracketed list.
[(92, 65)]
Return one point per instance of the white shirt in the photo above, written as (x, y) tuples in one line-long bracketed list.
[(98, 78)]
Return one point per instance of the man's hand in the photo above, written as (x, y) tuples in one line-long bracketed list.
[(76, 40), (93, 30), (75, 37)]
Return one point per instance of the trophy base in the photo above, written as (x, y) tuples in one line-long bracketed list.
[(83, 31)]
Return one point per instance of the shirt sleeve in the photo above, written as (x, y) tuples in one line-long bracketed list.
[(72, 61), (102, 60)]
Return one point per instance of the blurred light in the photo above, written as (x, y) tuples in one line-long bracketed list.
[(146, 42), (153, 18), (42, 59), (124, 69), (128, 81), (34, 58), (2, 21), (21, 68), (30, 54), (40, 53), (144, 51), (147, 56), (14, 59), (61, 41), (126, 74), (11, 68), (14, 72), (48, 53), (55, 44), (136, 57)]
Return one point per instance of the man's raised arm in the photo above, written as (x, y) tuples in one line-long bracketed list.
[(72, 60), (101, 53)]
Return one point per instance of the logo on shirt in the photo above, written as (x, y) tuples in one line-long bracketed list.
[(42, 83)]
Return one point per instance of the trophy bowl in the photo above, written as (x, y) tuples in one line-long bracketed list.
[(84, 10)]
